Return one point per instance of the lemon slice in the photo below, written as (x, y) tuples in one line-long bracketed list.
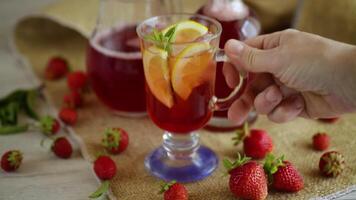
[(193, 66), (157, 74), (187, 31)]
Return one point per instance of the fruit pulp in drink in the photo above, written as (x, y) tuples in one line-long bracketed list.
[(115, 69), (181, 103)]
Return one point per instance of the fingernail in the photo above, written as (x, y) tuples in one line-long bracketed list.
[(271, 95), (235, 47)]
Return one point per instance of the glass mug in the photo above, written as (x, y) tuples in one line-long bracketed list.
[(180, 97), (114, 62), (239, 22)]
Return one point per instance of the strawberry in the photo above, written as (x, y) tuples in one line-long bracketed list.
[(115, 140), (321, 141), (11, 160), (329, 120), (56, 68), (49, 125), (174, 191), (73, 99), (62, 148), (68, 116), (282, 175), (247, 179), (331, 164), (256, 143), (77, 81), (105, 169)]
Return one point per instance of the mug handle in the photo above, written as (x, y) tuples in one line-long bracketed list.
[(219, 104)]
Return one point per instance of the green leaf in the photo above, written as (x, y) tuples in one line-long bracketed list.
[(29, 104), (104, 187), (8, 113), (166, 186), (161, 40), (7, 130), (271, 165), (241, 134), (16, 96), (46, 124), (112, 138)]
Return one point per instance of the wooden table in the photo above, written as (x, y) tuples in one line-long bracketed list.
[(42, 175)]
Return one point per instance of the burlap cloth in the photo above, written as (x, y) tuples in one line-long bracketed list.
[(62, 29)]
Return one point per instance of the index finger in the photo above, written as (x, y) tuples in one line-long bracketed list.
[(267, 41)]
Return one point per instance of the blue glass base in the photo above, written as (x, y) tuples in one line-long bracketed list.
[(182, 169)]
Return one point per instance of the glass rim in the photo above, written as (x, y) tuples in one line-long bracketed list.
[(206, 18)]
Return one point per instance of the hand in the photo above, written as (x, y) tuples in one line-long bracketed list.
[(295, 74)]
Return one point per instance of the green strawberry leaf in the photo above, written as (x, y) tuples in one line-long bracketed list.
[(238, 162), (166, 186), (271, 165), (15, 158), (104, 187), (241, 134), (46, 124), (112, 138)]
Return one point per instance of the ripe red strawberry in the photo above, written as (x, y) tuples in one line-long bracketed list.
[(115, 140), (174, 191), (68, 116), (282, 175), (56, 68), (62, 148), (77, 81), (105, 167), (73, 99), (329, 120), (321, 141), (11, 160), (256, 143), (331, 164), (49, 125), (247, 179)]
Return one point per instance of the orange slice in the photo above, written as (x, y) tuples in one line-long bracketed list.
[(187, 31), (157, 74), (191, 68)]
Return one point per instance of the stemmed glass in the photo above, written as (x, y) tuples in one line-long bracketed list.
[(180, 96)]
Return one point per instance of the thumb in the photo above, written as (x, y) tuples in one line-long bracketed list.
[(251, 59)]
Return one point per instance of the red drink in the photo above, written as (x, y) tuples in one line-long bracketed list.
[(115, 69), (238, 22), (180, 104), (185, 115)]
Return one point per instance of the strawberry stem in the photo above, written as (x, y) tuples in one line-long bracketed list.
[(241, 134), (104, 187), (166, 186), (272, 164), (237, 163)]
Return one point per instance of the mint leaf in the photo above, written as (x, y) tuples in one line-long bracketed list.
[(161, 40)]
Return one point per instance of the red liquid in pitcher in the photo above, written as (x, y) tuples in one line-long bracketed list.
[(115, 69)]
